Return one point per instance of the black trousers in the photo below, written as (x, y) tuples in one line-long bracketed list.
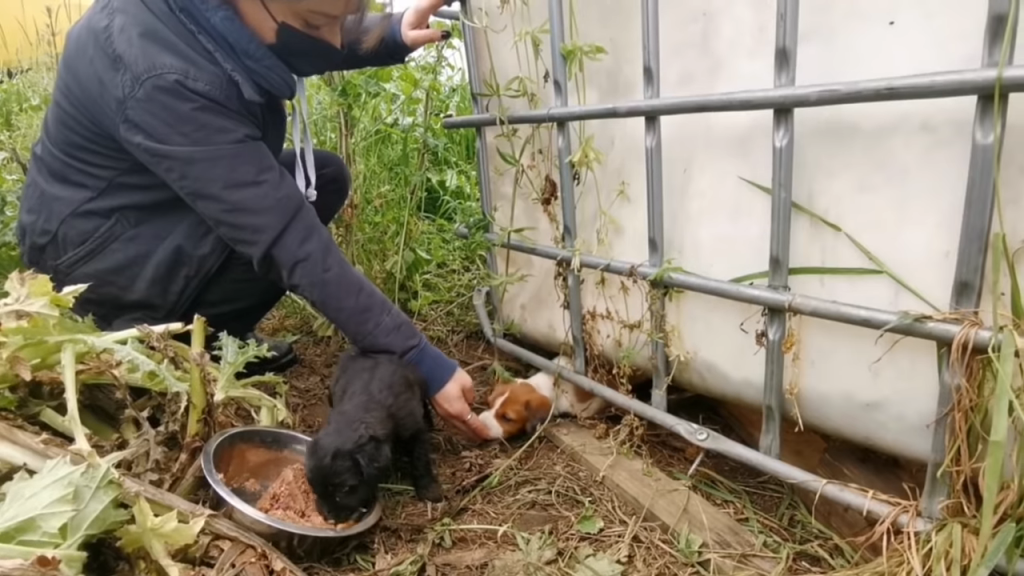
[(237, 296)]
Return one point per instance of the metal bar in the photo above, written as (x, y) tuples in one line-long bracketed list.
[(483, 170), (787, 20), (450, 13), (653, 159), (918, 87), (566, 184), (852, 314), (979, 203), (705, 438)]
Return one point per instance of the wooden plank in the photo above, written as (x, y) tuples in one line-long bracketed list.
[(833, 460), (666, 502)]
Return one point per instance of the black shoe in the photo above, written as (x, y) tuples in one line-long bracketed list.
[(282, 357)]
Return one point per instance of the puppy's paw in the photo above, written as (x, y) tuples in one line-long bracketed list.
[(430, 492)]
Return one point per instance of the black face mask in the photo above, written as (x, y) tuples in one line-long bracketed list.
[(303, 54)]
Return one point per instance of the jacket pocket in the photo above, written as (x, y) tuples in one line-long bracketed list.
[(71, 262)]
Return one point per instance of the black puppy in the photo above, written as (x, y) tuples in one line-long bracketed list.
[(377, 404)]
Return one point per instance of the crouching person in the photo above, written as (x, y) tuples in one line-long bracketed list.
[(161, 179)]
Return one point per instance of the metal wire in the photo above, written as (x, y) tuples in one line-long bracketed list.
[(653, 159), (975, 228), (917, 87)]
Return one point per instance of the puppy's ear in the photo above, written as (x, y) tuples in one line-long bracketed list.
[(537, 409), (497, 393), (373, 458)]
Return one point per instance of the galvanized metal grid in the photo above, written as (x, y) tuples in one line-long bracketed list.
[(776, 297)]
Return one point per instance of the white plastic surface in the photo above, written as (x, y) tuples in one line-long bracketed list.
[(893, 175)]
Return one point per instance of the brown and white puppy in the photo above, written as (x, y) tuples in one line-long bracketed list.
[(521, 406)]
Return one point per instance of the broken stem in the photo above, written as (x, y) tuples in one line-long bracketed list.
[(197, 388), (69, 364), (54, 420)]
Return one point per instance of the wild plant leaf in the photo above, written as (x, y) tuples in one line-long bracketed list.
[(54, 512), (24, 558), (31, 294), (36, 507), (995, 447), (589, 523), (7, 400), (903, 318), (889, 271), (857, 244), (599, 564), (99, 512), (957, 545), (33, 345), (139, 366), (234, 356), (997, 275), (811, 271), (1016, 302), (665, 270), (507, 158), (797, 206), (689, 546), (144, 369), (159, 536), (39, 566), (537, 549), (997, 550)]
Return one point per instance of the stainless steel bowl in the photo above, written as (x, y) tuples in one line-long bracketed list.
[(240, 464)]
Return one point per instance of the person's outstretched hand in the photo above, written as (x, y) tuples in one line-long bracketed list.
[(453, 404), (416, 30)]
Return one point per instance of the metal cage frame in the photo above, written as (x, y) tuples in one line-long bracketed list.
[(776, 297)]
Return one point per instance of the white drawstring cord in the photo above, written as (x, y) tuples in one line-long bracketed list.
[(303, 145)]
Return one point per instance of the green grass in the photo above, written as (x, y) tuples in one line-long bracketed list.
[(23, 100), (413, 181)]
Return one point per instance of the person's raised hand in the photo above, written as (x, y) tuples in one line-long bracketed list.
[(453, 403), (416, 30)]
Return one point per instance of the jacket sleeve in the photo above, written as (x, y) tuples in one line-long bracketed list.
[(391, 50), (213, 157)]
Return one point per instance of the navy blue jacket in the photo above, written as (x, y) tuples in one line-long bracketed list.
[(159, 155)]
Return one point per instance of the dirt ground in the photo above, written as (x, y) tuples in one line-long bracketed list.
[(528, 504)]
